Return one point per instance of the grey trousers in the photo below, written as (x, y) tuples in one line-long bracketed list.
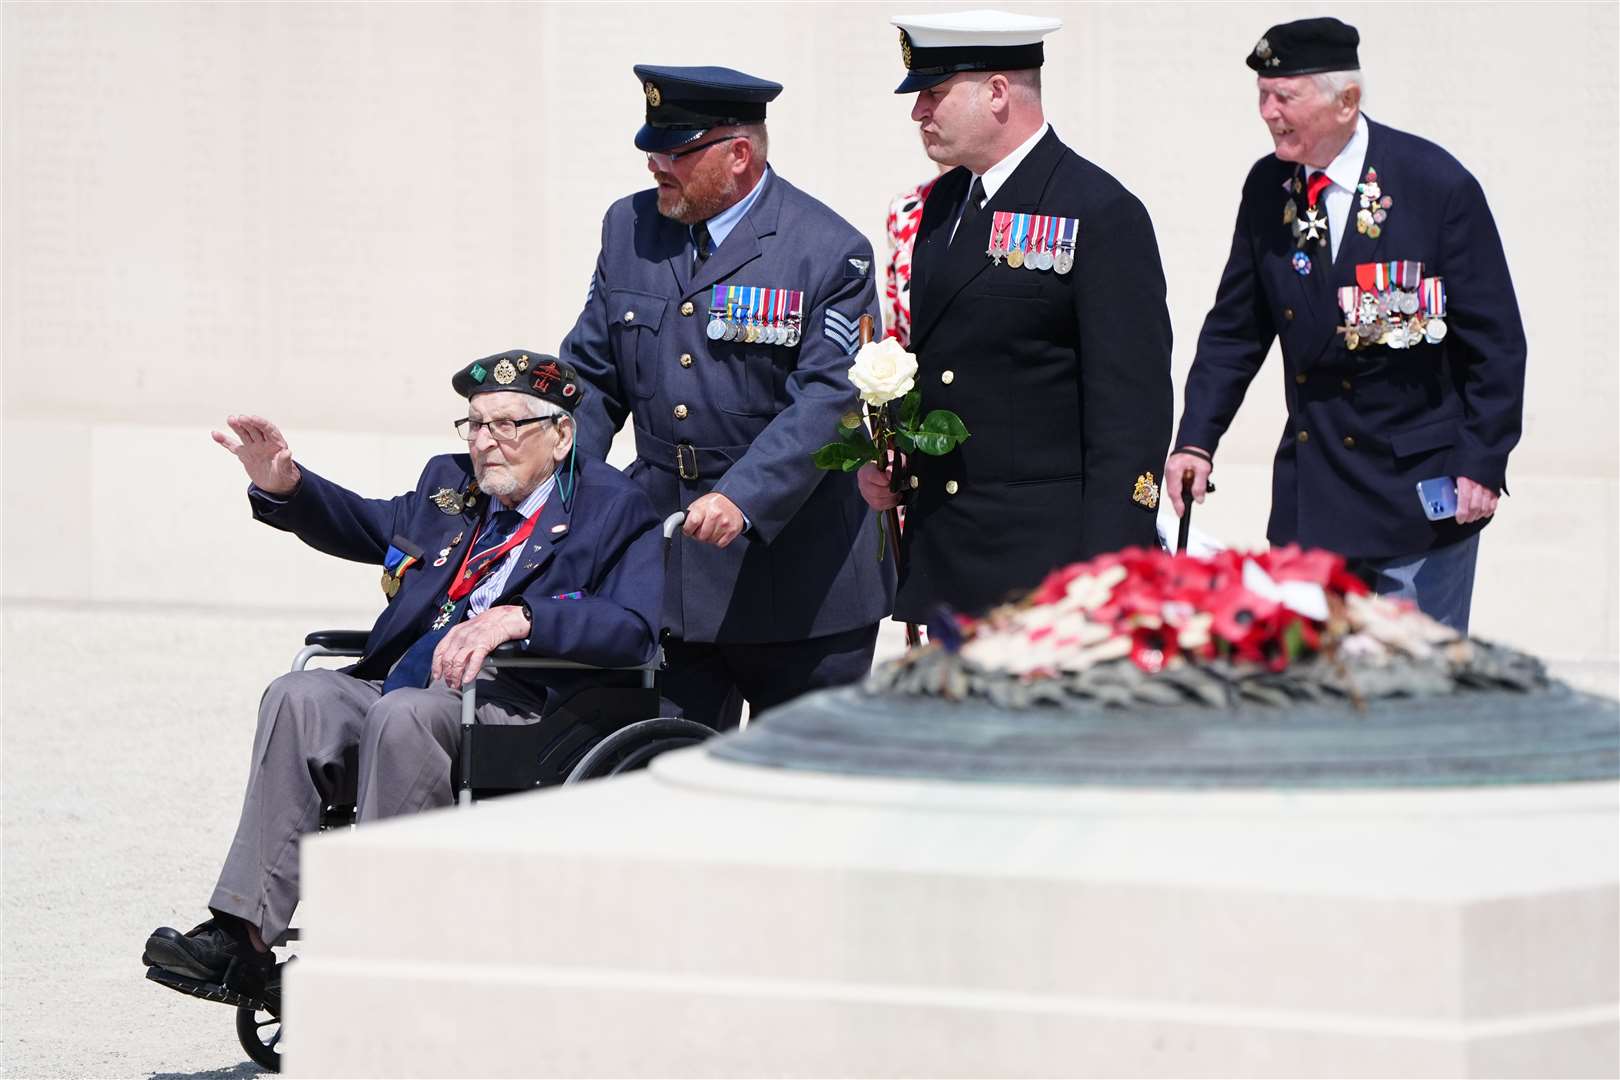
[(1439, 582), (325, 737)]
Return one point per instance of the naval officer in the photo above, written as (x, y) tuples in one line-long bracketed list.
[(722, 316), (1372, 255), (1038, 316)]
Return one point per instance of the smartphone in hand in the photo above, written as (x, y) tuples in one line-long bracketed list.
[(1439, 497)]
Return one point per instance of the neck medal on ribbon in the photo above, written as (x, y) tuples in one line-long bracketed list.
[(1033, 241)]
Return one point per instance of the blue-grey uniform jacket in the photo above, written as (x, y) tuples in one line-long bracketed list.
[(1366, 425), (591, 576), (736, 417)]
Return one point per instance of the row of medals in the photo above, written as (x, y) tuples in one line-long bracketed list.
[(1061, 260), (1390, 318), (730, 328)]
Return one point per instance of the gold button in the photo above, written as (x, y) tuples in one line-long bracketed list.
[(950, 487), (680, 412), (1345, 383), (686, 359), (629, 316), (947, 377), (1300, 378), (1288, 313), (686, 308), (915, 483), (1303, 436), (1349, 442)]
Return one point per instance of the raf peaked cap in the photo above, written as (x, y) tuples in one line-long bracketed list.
[(521, 372), (935, 47), (1306, 47), (684, 102)]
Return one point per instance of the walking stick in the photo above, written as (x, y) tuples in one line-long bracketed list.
[(1186, 516), (891, 518)]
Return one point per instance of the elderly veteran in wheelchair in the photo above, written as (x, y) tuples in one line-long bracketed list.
[(505, 543)]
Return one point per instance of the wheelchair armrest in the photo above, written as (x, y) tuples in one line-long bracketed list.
[(339, 640)]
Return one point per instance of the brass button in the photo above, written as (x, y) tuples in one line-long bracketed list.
[(1345, 383), (686, 308), (915, 483), (1288, 313), (629, 316), (947, 377), (1349, 442), (1300, 378), (686, 359), (680, 412), (1303, 436), (950, 487)]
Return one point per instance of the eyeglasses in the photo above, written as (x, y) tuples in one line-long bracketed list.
[(666, 161), (503, 429)]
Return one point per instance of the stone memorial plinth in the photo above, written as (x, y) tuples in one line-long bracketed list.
[(1424, 889)]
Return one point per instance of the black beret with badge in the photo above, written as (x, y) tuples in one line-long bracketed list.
[(685, 102), (935, 47), (520, 371), (1306, 47)]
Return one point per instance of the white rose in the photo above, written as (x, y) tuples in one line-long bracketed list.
[(883, 371)]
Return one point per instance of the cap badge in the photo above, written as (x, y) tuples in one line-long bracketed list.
[(523, 363), (505, 372), (477, 373), (569, 389), (905, 48), (1263, 53), (1146, 492), (654, 98)]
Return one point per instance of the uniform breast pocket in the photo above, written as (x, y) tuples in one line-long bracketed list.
[(748, 374), (1006, 286), (633, 322)]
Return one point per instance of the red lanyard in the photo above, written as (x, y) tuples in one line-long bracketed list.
[(465, 582)]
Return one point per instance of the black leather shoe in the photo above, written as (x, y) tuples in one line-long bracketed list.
[(210, 963)]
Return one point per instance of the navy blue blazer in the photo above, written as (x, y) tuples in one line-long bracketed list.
[(1063, 381), (1366, 425), (604, 544), (747, 416)]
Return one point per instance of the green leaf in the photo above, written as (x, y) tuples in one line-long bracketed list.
[(903, 440), (910, 406), (843, 456), (942, 431), (855, 436)]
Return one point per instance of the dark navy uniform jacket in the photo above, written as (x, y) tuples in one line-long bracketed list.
[(609, 551), (747, 417), (1365, 426), (1063, 382)]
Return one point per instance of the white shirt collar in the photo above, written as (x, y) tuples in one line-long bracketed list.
[(530, 506), (1345, 170), (997, 174)]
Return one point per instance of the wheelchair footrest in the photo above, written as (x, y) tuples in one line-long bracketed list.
[(208, 991)]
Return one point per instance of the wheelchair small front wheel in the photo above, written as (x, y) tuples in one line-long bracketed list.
[(259, 1032)]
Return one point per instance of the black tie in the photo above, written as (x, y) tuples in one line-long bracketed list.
[(700, 244), (415, 667), (970, 208)]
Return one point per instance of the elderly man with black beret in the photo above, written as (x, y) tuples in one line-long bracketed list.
[(504, 543), (1371, 255)]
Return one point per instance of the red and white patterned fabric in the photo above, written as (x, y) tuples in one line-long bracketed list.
[(905, 214)]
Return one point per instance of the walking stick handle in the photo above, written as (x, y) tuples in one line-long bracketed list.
[(1186, 511)]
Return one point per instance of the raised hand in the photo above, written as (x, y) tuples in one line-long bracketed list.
[(262, 450)]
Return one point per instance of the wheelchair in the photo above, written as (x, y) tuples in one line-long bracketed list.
[(595, 732)]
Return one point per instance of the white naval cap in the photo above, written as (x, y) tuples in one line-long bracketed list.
[(935, 47)]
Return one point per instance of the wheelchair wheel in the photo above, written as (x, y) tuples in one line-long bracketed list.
[(259, 1032), (634, 745)]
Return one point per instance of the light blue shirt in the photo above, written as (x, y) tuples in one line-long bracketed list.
[(721, 224), (495, 581)]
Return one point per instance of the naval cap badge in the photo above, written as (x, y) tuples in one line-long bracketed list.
[(905, 48)]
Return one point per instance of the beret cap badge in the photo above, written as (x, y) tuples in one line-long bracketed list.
[(654, 97), (1263, 53)]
